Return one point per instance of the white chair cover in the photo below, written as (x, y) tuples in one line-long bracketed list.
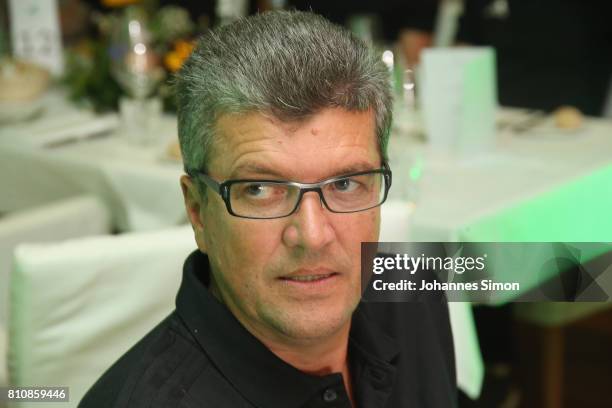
[(69, 218), (79, 305)]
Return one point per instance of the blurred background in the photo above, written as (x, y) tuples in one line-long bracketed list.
[(502, 133)]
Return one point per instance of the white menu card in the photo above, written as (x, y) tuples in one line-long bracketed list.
[(36, 33), (459, 98)]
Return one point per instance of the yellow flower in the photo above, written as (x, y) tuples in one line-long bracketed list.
[(173, 61), (184, 48), (118, 3), (175, 58)]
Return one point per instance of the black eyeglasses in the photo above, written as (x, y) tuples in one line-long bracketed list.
[(267, 199)]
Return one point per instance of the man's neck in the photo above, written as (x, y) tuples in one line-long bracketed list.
[(314, 356), (319, 358)]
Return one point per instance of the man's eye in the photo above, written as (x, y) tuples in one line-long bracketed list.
[(345, 185), (262, 191), (256, 190)]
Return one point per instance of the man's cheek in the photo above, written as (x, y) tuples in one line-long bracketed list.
[(249, 244), (368, 227)]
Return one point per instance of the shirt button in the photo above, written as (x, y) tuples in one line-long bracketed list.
[(377, 374), (330, 395)]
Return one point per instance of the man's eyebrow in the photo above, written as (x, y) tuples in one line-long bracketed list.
[(260, 169), (255, 168), (355, 168)]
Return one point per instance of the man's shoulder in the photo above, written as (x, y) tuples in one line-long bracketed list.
[(157, 368)]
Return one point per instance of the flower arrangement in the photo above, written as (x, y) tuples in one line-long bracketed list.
[(90, 77), (174, 58), (118, 3)]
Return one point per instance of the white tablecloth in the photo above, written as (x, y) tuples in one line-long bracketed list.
[(139, 184), (544, 185)]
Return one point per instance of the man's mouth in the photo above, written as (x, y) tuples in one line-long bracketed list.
[(308, 278), (309, 275)]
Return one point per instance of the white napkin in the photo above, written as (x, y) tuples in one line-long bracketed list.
[(60, 120)]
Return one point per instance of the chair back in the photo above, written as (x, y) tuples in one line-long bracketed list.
[(77, 306), (69, 218)]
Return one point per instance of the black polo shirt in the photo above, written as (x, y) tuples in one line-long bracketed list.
[(400, 355)]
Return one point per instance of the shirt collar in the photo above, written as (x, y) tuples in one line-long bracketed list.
[(248, 364)]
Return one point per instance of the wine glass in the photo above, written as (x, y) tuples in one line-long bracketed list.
[(134, 63), (137, 68)]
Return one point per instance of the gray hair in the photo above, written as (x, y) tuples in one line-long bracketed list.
[(289, 64)]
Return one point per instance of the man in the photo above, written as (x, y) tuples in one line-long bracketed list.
[(283, 122)]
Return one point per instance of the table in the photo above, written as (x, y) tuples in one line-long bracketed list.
[(539, 186), (139, 184), (543, 185), (519, 191)]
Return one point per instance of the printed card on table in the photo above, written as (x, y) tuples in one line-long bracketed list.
[(36, 33), (460, 98)]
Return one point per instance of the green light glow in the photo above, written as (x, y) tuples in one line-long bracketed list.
[(415, 173), (579, 211)]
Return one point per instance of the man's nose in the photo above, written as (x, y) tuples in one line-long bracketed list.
[(310, 226)]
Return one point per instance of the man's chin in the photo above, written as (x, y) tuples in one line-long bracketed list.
[(316, 322)]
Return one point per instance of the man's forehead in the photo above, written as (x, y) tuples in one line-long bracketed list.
[(258, 143), (261, 125)]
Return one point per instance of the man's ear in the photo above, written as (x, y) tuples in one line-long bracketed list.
[(193, 206)]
